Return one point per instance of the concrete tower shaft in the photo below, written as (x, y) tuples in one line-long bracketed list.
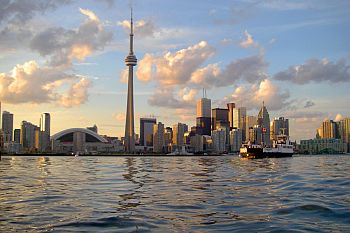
[(130, 61)]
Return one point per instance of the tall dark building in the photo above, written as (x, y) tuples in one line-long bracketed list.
[(219, 118), (203, 125), (17, 136), (146, 131), (231, 107), (7, 126)]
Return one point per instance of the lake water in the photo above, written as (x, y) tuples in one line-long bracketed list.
[(175, 194)]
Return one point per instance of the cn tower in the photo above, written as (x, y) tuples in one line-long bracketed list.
[(130, 61)]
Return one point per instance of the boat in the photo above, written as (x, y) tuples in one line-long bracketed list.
[(282, 147)]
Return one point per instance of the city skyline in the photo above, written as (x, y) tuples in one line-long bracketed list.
[(236, 60)]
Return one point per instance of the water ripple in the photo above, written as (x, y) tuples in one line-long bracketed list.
[(174, 194)]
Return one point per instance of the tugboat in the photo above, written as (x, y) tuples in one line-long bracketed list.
[(282, 147)]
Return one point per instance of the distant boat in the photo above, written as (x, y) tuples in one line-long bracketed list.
[(280, 148)]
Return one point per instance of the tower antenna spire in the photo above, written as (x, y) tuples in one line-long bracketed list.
[(131, 21)]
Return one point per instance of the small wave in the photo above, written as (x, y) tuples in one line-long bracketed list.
[(115, 222), (306, 208)]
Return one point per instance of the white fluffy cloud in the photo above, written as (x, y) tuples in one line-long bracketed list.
[(174, 68), (315, 70), (92, 16), (253, 96), (29, 83), (145, 66), (184, 68), (76, 95)]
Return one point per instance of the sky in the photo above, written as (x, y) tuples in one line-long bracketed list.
[(67, 58)]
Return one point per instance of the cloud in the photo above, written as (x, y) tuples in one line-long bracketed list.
[(187, 94), (253, 96), (175, 68), (142, 28), (124, 75), (89, 14), (19, 11), (144, 71), (285, 5), (309, 104), (183, 67), (165, 98), (315, 70), (338, 117), (226, 41), (251, 69), (248, 41), (304, 115), (29, 83), (272, 41), (62, 46), (76, 95), (121, 117), (185, 114)]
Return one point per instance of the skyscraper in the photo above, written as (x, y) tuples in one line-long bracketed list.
[(17, 136), (7, 126), (279, 126), (178, 134), (45, 123), (344, 129), (219, 140), (264, 123), (28, 136), (168, 135), (44, 133), (158, 137), (237, 118), (231, 107), (146, 131), (130, 61), (235, 139), (203, 107), (328, 129), (219, 118), (250, 122)]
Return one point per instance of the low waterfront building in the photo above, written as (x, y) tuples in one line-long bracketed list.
[(12, 147), (322, 146)]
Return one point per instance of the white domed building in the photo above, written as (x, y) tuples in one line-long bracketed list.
[(82, 141)]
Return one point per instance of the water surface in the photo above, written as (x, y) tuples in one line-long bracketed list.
[(175, 194)]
